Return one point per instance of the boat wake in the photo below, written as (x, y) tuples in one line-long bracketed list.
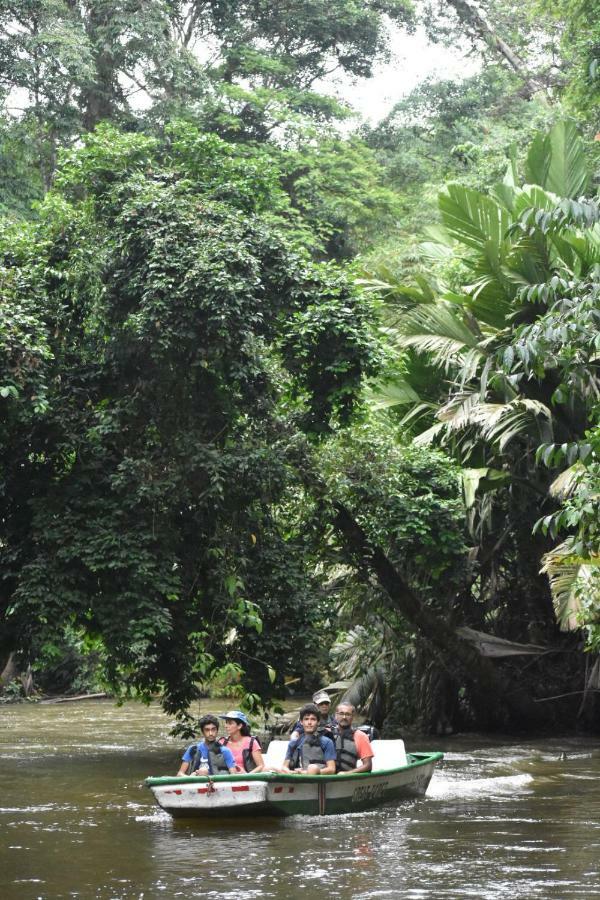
[(445, 789)]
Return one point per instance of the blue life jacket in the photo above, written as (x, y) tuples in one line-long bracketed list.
[(216, 760)]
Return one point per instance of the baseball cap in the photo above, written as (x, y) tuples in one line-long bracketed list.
[(321, 697), (236, 714)]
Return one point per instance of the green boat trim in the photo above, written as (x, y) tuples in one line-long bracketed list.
[(418, 759), (277, 794)]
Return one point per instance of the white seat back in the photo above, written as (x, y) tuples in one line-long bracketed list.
[(275, 754), (388, 754)]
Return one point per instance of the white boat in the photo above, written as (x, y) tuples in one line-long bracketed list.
[(394, 776)]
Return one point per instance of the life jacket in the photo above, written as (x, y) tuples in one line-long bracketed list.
[(216, 760), (307, 752), (327, 728), (249, 763), (345, 748)]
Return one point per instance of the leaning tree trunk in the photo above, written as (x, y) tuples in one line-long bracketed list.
[(495, 701), (8, 669), (476, 22)]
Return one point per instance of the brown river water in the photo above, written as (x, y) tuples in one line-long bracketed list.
[(503, 818)]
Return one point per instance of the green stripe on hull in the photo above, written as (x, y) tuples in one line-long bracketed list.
[(416, 761), (317, 795)]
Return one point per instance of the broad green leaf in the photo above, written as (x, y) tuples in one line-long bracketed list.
[(556, 160), (472, 218), (470, 482)]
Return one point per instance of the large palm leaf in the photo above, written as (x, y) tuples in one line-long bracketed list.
[(438, 331), (472, 219), (556, 161)]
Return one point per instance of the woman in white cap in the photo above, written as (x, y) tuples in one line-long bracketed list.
[(244, 746)]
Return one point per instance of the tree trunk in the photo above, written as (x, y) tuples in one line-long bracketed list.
[(99, 101), (474, 19), (495, 702), (8, 670)]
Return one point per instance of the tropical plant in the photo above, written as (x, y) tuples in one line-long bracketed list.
[(161, 348), (510, 326)]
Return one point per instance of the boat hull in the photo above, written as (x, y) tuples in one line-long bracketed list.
[(270, 794)]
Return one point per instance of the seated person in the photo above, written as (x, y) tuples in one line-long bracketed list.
[(207, 757), (327, 723), (312, 753), (351, 744), (245, 748)]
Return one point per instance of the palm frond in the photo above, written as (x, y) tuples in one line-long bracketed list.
[(438, 331), (557, 161), (569, 578), (565, 484), (501, 423), (472, 219), (429, 436), (385, 395)]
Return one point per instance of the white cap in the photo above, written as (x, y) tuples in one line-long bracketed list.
[(321, 697)]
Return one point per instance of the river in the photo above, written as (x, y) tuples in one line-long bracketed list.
[(504, 818)]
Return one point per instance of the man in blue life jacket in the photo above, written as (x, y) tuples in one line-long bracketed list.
[(312, 753), (207, 757)]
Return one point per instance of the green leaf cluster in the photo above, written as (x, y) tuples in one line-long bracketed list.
[(164, 319)]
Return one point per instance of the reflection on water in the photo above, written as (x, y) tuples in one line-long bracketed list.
[(502, 820)]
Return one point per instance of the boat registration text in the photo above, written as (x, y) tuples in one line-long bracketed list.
[(369, 792)]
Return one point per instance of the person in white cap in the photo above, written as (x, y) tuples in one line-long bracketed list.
[(323, 702), (327, 724)]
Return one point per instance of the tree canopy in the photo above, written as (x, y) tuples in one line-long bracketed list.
[(286, 396), (152, 329)]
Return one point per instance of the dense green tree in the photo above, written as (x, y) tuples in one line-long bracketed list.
[(74, 64), (21, 181), (327, 192), (580, 51), (445, 130), (150, 332)]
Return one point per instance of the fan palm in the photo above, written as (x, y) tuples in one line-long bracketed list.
[(514, 345), (521, 246)]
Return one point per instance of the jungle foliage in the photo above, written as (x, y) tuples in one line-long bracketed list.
[(151, 331), (227, 445), (510, 326)]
